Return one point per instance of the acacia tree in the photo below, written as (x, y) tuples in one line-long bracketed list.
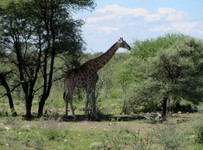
[(3, 81), (36, 32), (172, 74)]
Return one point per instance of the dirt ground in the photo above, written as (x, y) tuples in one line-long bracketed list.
[(108, 126)]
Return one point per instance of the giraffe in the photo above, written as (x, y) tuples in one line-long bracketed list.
[(86, 77)]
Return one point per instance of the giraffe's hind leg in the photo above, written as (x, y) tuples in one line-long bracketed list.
[(72, 109), (69, 98), (65, 97), (94, 110), (87, 107)]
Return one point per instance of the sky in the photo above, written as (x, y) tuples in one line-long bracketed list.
[(139, 20)]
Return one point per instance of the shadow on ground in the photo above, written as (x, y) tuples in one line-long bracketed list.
[(108, 118), (102, 117)]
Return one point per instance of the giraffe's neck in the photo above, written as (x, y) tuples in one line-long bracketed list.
[(102, 60)]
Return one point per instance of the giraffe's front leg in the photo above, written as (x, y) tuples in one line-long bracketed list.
[(66, 101), (95, 117), (72, 109), (86, 106)]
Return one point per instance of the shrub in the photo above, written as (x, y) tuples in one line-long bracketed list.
[(184, 106), (199, 134), (55, 134), (96, 146), (39, 142), (168, 137), (125, 139)]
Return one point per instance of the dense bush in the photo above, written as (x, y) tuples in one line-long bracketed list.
[(164, 71), (199, 134)]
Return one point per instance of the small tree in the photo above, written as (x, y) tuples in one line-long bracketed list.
[(5, 84), (180, 67), (4, 73), (174, 73)]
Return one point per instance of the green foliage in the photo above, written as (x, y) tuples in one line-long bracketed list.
[(168, 137), (144, 93), (199, 134), (197, 127), (184, 106), (11, 121), (119, 140), (33, 34), (97, 146), (168, 67), (55, 134), (4, 3), (149, 47), (124, 139), (133, 135), (32, 139)]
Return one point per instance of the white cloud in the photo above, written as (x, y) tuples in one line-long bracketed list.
[(152, 17), (172, 14), (166, 11), (115, 12), (108, 30), (101, 18), (161, 28), (187, 27), (112, 18), (167, 14), (115, 20), (120, 11)]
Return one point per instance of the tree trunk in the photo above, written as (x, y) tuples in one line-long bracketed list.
[(28, 107), (8, 94), (11, 103), (41, 107), (47, 79), (164, 107), (41, 104)]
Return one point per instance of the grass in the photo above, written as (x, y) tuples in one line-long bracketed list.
[(50, 133), (41, 134)]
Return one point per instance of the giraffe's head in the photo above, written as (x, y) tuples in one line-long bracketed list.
[(123, 44)]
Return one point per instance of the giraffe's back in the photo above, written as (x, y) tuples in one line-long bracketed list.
[(81, 77)]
